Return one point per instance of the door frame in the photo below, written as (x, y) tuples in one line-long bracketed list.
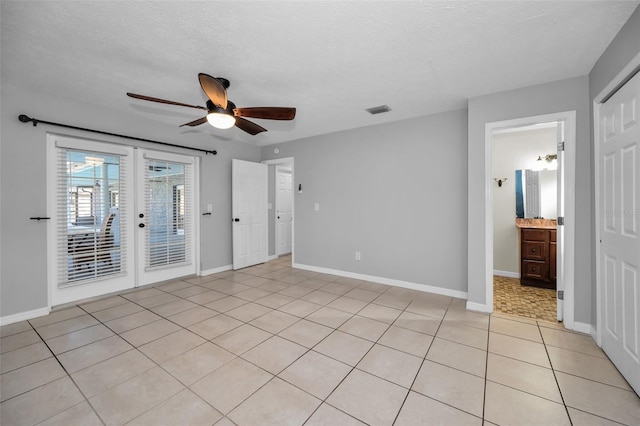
[(618, 81), (288, 161), (569, 118)]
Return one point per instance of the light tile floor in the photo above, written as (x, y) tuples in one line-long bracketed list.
[(272, 345)]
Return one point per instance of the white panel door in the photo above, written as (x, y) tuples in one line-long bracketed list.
[(284, 210), (165, 216), (249, 213), (619, 203)]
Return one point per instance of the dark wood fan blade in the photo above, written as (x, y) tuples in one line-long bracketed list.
[(214, 90), (163, 101), (269, 113), (248, 126), (194, 123)]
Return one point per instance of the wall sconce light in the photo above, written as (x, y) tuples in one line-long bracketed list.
[(548, 158), (500, 181)]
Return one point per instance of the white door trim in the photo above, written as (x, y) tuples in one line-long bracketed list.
[(288, 160), (569, 117), (630, 68)]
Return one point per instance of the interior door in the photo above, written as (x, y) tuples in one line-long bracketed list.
[(284, 209), (249, 213), (165, 216), (618, 204), (90, 234)]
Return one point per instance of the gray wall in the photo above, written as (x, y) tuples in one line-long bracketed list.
[(396, 192), (558, 96), (23, 267), (624, 47)]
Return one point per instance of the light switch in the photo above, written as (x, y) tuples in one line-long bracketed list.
[(316, 207), (270, 206), (209, 207)]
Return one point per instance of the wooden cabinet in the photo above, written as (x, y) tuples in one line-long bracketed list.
[(538, 257)]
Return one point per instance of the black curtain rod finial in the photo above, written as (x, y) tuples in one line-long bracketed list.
[(25, 119)]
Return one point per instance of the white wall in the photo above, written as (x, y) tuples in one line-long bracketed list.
[(513, 151), (23, 265)]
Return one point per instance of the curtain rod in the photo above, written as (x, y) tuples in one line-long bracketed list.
[(26, 119)]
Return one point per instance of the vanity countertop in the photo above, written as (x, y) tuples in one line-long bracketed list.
[(537, 223)]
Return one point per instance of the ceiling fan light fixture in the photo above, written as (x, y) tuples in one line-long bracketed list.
[(221, 120)]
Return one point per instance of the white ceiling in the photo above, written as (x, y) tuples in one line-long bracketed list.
[(329, 59)]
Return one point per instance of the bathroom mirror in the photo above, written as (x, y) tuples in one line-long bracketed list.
[(536, 194)]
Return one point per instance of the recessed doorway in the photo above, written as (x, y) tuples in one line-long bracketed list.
[(565, 237), (525, 200)]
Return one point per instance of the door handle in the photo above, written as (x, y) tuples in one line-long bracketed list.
[(278, 217), (236, 220), (141, 225)]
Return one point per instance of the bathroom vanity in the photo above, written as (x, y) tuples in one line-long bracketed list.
[(537, 252)]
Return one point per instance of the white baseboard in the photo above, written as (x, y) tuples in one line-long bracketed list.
[(273, 256), (507, 274), (479, 307), (382, 280), (582, 327), (216, 270), (10, 319)]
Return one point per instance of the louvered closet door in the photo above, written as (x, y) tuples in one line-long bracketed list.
[(91, 232), (165, 216)]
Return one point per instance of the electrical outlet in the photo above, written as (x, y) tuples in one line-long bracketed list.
[(358, 255)]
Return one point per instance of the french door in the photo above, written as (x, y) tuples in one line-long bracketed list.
[(165, 216), (120, 217)]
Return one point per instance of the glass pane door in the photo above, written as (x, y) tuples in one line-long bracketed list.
[(165, 217), (91, 252)]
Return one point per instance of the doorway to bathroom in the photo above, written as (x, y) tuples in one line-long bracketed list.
[(530, 249)]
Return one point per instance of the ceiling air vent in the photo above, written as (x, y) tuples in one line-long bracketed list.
[(378, 109)]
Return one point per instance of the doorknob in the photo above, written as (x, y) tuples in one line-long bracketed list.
[(278, 217), (141, 225), (236, 220)]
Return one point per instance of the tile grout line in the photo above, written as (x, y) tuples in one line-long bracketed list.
[(70, 378), (421, 363), (486, 372), (553, 370)]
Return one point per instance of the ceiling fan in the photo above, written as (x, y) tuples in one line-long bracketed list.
[(221, 112)]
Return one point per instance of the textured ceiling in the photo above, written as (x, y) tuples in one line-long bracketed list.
[(329, 59)]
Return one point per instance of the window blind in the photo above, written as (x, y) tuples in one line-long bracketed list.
[(91, 213), (168, 198)]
